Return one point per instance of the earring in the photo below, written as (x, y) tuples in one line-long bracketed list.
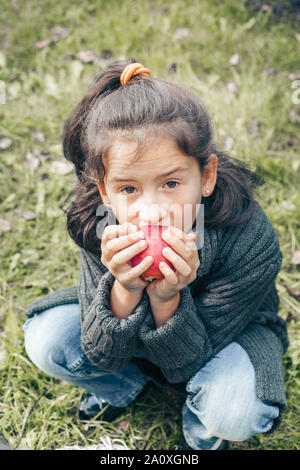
[(206, 191)]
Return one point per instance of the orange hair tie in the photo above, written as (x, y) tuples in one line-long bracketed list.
[(131, 70)]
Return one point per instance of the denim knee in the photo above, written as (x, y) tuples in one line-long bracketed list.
[(52, 342), (240, 419), (223, 397), (48, 338)]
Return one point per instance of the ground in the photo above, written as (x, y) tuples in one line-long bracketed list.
[(243, 61)]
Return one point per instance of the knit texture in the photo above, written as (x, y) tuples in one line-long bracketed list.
[(233, 298)]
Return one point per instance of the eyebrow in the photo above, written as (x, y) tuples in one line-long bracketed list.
[(179, 168)]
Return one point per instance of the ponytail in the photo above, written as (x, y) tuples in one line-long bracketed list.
[(232, 201)]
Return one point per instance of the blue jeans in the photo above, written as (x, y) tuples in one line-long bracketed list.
[(221, 397)]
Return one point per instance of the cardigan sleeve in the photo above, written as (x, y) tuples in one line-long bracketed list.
[(109, 342), (229, 301)]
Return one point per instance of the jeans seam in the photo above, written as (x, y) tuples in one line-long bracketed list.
[(130, 398), (77, 364)]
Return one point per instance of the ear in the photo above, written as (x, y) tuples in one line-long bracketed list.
[(103, 194), (210, 175)]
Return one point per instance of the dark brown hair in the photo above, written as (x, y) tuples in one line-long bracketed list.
[(144, 107)]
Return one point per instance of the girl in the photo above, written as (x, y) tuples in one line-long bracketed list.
[(143, 149)]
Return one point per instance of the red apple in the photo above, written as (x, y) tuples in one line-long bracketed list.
[(155, 246)]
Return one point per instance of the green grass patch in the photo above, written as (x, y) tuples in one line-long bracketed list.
[(38, 257)]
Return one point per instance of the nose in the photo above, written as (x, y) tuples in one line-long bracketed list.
[(153, 214)]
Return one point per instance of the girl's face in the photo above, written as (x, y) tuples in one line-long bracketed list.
[(163, 187)]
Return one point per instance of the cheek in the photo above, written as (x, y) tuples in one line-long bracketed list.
[(183, 215), (191, 206), (122, 210)]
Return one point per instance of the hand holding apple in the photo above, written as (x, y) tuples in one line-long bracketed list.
[(153, 236), (119, 244), (182, 253)]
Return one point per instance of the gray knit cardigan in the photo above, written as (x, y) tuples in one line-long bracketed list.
[(233, 298)]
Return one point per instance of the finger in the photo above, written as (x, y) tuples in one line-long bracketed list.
[(182, 235), (140, 268), (182, 247), (113, 231), (192, 236), (189, 238), (191, 242), (123, 241), (177, 261), (170, 236), (124, 256), (177, 232), (170, 275)]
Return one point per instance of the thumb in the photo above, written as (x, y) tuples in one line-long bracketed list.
[(192, 235)]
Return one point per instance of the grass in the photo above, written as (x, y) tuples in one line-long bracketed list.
[(38, 257)]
